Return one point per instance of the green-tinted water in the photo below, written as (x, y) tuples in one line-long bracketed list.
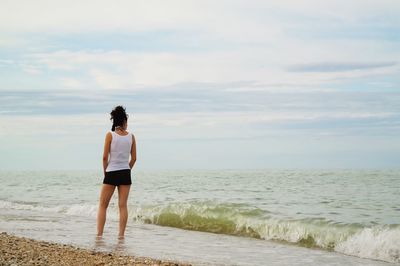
[(354, 212)]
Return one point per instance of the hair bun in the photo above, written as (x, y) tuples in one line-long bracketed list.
[(118, 110), (119, 116)]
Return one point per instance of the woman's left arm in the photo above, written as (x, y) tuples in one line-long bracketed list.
[(133, 152)]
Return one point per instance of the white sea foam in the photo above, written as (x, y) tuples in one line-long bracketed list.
[(375, 243)]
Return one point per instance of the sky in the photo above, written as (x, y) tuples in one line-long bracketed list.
[(207, 84)]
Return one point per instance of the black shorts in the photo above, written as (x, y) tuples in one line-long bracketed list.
[(119, 177)]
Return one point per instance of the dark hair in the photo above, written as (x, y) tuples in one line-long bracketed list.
[(118, 116)]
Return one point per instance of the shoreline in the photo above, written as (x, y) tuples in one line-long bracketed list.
[(17, 250)]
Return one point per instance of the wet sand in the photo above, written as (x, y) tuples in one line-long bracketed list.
[(24, 251)]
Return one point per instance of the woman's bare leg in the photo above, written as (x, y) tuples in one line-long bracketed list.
[(123, 193), (105, 196)]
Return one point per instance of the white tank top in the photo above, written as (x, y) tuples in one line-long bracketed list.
[(120, 151)]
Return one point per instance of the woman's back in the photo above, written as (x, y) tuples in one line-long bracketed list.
[(120, 151)]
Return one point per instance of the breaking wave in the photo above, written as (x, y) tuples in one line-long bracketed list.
[(380, 242)]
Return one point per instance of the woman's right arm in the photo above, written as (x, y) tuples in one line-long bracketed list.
[(107, 144)]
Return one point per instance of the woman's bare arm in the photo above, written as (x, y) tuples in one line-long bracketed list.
[(107, 144), (133, 152)]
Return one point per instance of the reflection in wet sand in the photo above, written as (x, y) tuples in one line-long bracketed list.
[(120, 247), (99, 243)]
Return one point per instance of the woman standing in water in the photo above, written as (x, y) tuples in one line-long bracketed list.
[(118, 147)]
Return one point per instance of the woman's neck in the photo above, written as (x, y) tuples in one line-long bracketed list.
[(120, 129)]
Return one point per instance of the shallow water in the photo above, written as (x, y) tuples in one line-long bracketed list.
[(300, 215)]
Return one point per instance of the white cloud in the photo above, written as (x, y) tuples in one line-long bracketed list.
[(72, 83), (155, 14), (240, 41), (341, 10), (126, 69), (52, 125), (164, 125), (86, 15), (119, 70)]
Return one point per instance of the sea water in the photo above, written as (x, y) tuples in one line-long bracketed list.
[(226, 217)]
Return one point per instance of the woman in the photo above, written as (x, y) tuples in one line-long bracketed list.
[(119, 145)]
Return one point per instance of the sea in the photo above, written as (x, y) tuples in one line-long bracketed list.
[(217, 217)]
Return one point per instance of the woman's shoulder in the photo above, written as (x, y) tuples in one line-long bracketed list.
[(109, 134), (129, 133)]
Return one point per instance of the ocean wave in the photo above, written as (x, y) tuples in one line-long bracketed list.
[(380, 242), (88, 210)]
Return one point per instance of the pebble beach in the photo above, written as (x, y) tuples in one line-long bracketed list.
[(24, 251)]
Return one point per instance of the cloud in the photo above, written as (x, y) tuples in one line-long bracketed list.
[(91, 15), (117, 69), (72, 83), (201, 113), (136, 45), (138, 70), (44, 15), (339, 66)]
